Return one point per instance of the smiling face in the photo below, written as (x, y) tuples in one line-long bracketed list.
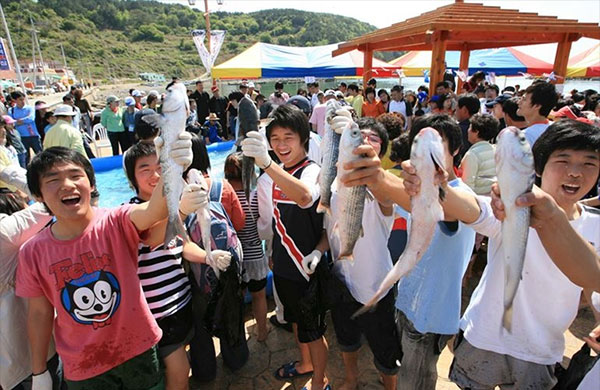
[(147, 175), (287, 146), (65, 190), (570, 174)]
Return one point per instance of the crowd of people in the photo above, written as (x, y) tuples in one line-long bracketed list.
[(101, 302)]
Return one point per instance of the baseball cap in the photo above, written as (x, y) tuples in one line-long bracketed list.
[(499, 99), (112, 98), (136, 93), (129, 101), (330, 92), (301, 102)]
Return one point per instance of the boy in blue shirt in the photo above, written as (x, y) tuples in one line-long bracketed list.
[(25, 123)]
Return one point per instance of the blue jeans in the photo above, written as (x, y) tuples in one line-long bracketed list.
[(22, 160), (32, 142)]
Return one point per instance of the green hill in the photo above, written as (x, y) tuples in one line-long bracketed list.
[(122, 38)]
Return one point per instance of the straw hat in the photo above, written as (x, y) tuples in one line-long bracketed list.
[(212, 117)]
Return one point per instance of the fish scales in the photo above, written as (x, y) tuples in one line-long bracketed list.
[(351, 200), (330, 154), (427, 156), (515, 173), (171, 123), (248, 117)]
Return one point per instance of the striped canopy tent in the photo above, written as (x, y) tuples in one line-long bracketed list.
[(506, 61), (585, 64), (263, 60)]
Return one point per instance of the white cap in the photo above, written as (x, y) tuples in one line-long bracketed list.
[(136, 93), (64, 110), (129, 101)]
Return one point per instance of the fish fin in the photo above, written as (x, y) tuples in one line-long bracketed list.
[(507, 319), (174, 228), (362, 232), (155, 120), (370, 306), (442, 194)]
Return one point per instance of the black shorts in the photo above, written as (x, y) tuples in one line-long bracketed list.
[(378, 327), (255, 285), (178, 330), (290, 292)]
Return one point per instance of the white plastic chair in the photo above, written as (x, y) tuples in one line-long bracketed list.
[(102, 135)]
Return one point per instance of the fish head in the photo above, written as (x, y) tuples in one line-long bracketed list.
[(351, 137), (512, 148), (194, 176), (247, 115), (428, 145), (176, 99)]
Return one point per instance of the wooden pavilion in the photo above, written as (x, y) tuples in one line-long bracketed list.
[(470, 26)]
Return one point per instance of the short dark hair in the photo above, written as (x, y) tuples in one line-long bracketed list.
[(444, 124), (343, 84), (563, 135), (510, 88), (316, 84), (371, 123), (353, 87), (260, 96), (134, 153), (577, 97), (400, 148), (68, 97), (397, 88), (151, 98), (278, 85), (544, 94), (369, 90), (199, 82), (372, 81), (471, 101), (10, 202), (48, 158), (143, 130), (237, 96), (393, 123), (290, 117), (510, 108), (201, 160), (16, 94), (486, 126), (494, 87), (443, 83)]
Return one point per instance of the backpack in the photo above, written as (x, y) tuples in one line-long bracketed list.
[(224, 311)]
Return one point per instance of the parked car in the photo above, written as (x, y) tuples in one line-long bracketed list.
[(41, 90)]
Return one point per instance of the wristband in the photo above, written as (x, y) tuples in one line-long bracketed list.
[(43, 372), (268, 165)]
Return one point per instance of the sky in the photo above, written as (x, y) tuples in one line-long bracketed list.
[(382, 13)]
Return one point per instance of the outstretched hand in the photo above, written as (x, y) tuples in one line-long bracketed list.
[(543, 206), (365, 170)]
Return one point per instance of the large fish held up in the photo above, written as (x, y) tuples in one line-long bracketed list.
[(351, 200), (427, 156), (516, 175), (248, 118), (330, 152), (175, 110), (203, 214)]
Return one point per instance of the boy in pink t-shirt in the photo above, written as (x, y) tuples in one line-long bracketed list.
[(84, 267)]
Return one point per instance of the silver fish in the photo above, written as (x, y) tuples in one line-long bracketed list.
[(175, 110), (330, 150), (427, 156), (203, 215), (248, 117), (351, 200), (515, 172)]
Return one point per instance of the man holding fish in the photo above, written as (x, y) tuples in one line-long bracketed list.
[(367, 262), (542, 302)]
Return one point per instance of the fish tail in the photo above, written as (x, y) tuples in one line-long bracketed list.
[(507, 318), (369, 306), (323, 208), (174, 228)]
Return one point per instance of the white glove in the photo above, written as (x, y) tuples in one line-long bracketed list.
[(255, 145), (42, 381), (310, 262), (181, 150), (193, 198), (342, 120), (221, 259)]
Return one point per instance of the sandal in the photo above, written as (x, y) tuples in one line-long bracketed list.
[(289, 371)]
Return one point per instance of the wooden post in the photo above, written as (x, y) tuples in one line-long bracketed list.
[(438, 56), (561, 60), (463, 65), (367, 65)]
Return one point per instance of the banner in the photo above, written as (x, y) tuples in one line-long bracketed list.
[(4, 65), (216, 41)]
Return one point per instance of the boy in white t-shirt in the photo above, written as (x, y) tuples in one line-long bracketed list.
[(567, 159)]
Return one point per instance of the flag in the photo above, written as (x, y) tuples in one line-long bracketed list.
[(426, 75), (216, 41)]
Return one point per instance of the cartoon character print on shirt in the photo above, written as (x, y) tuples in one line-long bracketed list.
[(92, 299)]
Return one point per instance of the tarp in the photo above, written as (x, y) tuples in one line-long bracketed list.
[(263, 60), (503, 62), (585, 64)]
